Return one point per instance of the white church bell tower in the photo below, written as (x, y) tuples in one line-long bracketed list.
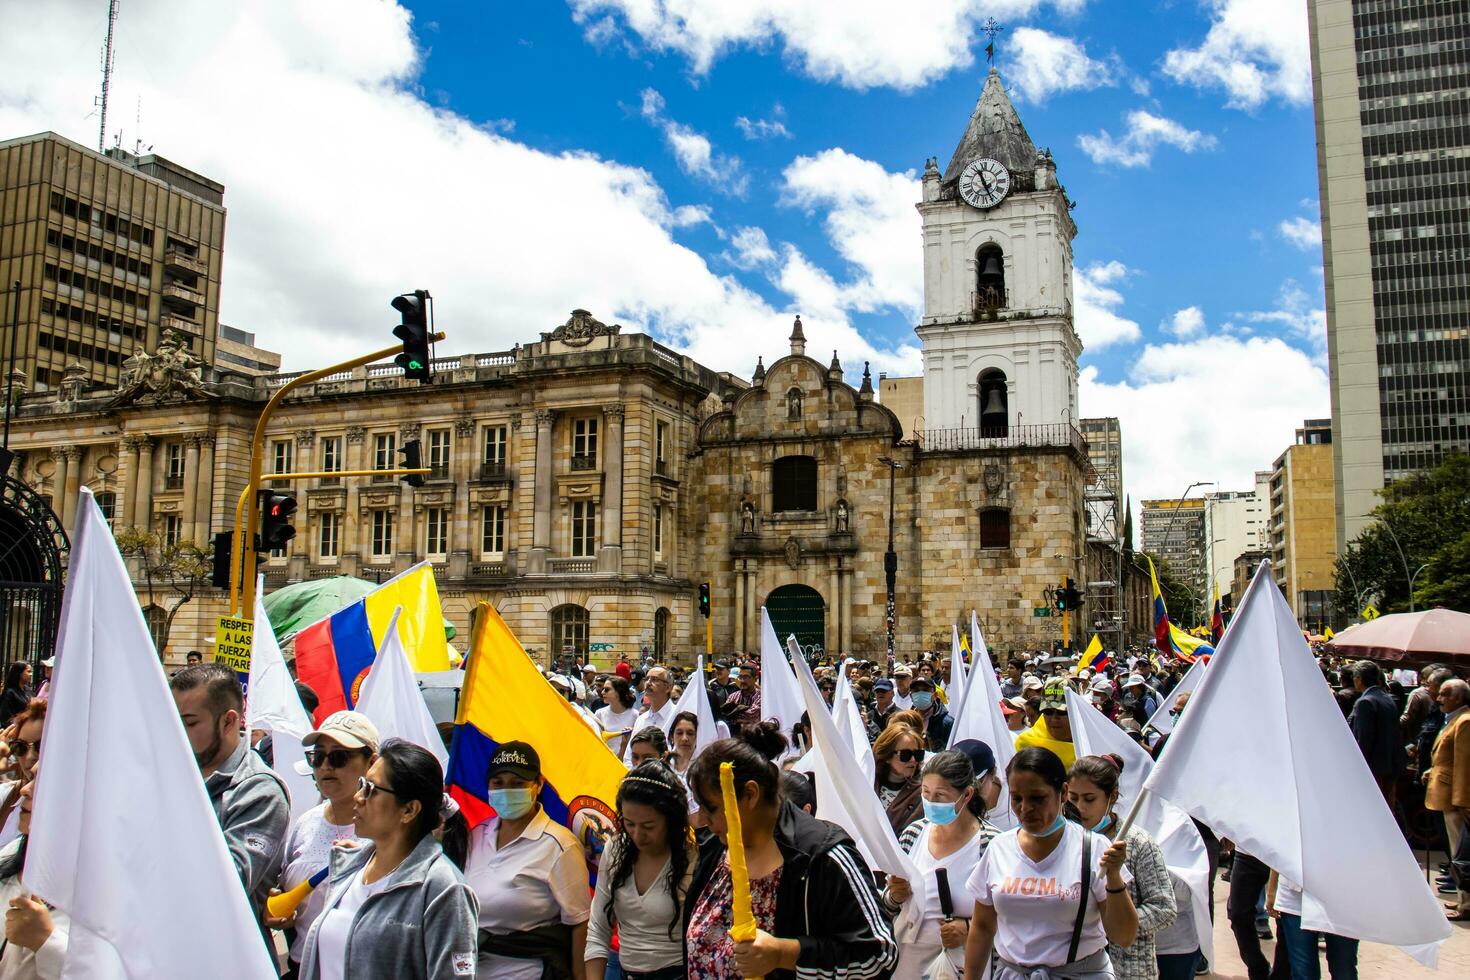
[(1000, 351)]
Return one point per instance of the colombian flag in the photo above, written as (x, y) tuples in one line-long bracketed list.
[(505, 699), (1170, 638), (1217, 620), (1094, 658), (334, 655)]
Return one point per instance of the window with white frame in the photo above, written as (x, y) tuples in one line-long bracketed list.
[(330, 528), (584, 443), (173, 530), (173, 466), (492, 531), (658, 532), (385, 447), (382, 534), (584, 529), (281, 456), (493, 452), (331, 457), (438, 460), (661, 448), (436, 532)]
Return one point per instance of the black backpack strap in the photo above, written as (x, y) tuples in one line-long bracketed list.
[(946, 900), (1083, 898)]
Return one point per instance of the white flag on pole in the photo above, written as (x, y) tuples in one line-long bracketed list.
[(847, 717), (695, 700), (979, 717), (1184, 850), (391, 699), (1264, 756), (780, 695), (1162, 720), (123, 834), (956, 685), (273, 704), (845, 797)]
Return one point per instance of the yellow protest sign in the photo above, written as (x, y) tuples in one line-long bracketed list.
[(1370, 613), (232, 639)]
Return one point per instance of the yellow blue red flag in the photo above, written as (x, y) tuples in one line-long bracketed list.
[(1094, 658), (505, 699), (1170, 638)]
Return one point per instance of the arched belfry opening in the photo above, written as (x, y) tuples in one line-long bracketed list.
[(995, 411), (990, 278)]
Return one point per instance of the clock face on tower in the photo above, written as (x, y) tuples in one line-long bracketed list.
[(984, 183)]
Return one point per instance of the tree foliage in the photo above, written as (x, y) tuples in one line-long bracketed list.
[(1421, 530), (179, 571)]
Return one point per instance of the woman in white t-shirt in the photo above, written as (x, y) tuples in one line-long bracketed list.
[(1028, 886), (950, 837), (618, 715), (339, 754)]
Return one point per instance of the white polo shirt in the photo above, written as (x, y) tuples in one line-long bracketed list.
[(536, 879), (663, 718)]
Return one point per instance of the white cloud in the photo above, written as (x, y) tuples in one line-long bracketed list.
[(765, 129), (693, 151), (870, 221), (1255, 50), (1181, 424), (1186, 322), (1040, 64), (858, 43), (1146, 132), (751, 248), (1095, 306), (1303, 233), (1302, 315), (273, 99)]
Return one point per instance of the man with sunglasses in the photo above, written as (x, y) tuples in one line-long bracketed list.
[(1053, 731), (338, 755), (248, 798)]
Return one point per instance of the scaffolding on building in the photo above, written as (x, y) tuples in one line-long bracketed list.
[(1105, 612)]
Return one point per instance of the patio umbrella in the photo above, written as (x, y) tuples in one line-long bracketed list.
[(295, 607), (1421, 637)]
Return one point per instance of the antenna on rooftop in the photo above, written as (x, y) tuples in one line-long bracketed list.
[(106, 73)]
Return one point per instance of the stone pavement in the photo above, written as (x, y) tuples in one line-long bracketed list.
[(1375, 962)]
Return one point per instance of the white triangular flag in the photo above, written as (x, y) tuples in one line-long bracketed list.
[(273, 704), (1264, 757), (955, 691), (695, 700), (979, 717), (845, 797), (1170, 827), (123, 835), (391, 699), (1163, 720), (847, 718), (780, 696)]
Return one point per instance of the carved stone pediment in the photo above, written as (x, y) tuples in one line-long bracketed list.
[(171, 373), (581, 329)]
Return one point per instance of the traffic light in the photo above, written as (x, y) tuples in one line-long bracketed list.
[(275, 520), (412, 454), (224, 550), (1059, 596), (704, 599), (414, 332), (1074, 597)]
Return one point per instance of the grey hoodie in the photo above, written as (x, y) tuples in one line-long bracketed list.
[(421, 926), (255, 815)]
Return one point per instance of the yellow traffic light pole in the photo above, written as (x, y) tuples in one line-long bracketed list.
[(242, 554)]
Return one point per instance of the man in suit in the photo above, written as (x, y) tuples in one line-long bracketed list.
[(1448, 780), (1375, 724)]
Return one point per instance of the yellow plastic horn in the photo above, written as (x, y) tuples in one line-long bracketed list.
[(282, 905), (742, 917)]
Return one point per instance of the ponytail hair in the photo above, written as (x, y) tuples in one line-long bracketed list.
[(753, 757)]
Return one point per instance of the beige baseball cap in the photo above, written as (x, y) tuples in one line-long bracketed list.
[(349, 729)]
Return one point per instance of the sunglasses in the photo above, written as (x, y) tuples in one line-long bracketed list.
[(368, 788), (1054, 713), (337, 758), (19, 746), (910, 755)]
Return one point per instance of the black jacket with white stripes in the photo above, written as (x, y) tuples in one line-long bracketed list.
[(826, 901)]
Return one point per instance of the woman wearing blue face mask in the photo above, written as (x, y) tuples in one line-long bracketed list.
[(530, 876), (946, 844), (1049, 895), (1092, 800)]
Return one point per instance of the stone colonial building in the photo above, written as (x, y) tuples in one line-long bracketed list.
[(587, 482)]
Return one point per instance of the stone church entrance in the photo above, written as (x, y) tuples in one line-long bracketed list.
[(799, 609)]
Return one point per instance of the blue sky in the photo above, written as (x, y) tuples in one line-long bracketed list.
[(704, 169)]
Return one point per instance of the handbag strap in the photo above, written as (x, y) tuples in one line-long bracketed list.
[(946, 900), (1082, 898)]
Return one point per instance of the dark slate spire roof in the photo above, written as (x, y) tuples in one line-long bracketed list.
[(995, 131)]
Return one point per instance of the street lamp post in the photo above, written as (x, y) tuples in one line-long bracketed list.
[(890, 558), (1174, 516), (1411, 577)]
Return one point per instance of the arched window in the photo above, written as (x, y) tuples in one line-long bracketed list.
[(794, 483), (995, 412), (157, 619), (107, 503), (995, 528), (990, 278), (793, 405), (661, 635), (568, 632)]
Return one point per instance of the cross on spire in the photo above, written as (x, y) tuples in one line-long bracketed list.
[(990, 28)]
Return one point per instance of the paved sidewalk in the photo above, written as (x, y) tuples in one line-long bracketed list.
[(1375, 962)]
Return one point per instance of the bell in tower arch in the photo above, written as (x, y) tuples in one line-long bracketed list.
[(990, 279), (994, 405)]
